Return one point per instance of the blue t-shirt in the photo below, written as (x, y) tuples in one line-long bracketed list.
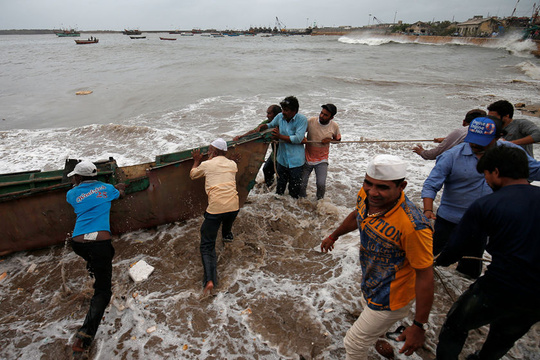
[(91, 201), (291, 155)]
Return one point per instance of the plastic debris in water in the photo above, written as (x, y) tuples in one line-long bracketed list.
[(151, 329)]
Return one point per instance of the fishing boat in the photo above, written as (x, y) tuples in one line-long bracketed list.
[(137, 37), (35, 214), (132, 32), (68, 33), (164, 38), (89, 41)]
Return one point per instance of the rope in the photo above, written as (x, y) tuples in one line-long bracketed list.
[(370, 141), (65, 289), (444, 284)]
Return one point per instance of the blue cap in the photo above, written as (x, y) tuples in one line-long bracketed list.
[(481, 132)]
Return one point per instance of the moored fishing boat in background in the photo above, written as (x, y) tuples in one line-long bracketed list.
[(164, 38), (68, 33), (35, 213), (132, 32), (137, 37), (88, 41)]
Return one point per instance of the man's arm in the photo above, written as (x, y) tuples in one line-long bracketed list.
[(447, 143), (121, 187), (348, 225), (300, 132), (529, 128), (435, 181), (414, 336)]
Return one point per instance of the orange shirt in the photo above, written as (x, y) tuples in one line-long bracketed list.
[(318, 152), (391, 247), (220, 184)]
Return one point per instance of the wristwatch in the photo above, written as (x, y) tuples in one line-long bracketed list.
[(420, 325)]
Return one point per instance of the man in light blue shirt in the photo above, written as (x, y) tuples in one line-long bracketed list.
[(289, 129), (456, 170)]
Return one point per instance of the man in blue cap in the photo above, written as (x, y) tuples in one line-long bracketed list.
[(456, 170)]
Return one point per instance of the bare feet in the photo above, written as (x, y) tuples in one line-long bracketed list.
[(208, 288)]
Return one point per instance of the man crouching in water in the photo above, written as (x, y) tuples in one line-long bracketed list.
[(91, 200), (223, 204)]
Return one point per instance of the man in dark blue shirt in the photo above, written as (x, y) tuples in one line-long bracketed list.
[(508, 294)]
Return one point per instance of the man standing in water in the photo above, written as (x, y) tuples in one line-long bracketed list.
[(395, 256), (320, 132), (510, 218), (223, 204), (269, 169), (451, 140), (455, 169), (519, 131), (91, 201), (289, 128)]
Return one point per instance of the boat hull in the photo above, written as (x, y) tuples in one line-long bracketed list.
[(83, 42), (158, 193)]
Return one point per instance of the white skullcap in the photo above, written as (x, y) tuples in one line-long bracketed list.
[(84, 168), (387, 167), (219, 144)]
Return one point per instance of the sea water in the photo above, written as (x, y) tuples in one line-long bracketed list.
[(278, 297)]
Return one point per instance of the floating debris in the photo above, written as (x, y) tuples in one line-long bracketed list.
[(151, 329), (140, 271)]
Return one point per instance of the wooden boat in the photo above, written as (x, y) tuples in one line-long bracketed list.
[(138, 37), (35, 214), (164, 38), (81, 42), (132, 32)]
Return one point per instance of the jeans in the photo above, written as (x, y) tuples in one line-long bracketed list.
[(509, 318), (321, 171), (292, 176), (98, 256), (209, 231), (443, 230)]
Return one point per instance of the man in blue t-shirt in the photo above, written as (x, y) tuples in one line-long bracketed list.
[(508, 294), (91, 200), (289, 129)]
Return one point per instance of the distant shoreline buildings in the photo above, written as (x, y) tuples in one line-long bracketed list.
[(477, 26)]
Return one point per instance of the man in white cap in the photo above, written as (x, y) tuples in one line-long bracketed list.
[(223, 204), (91, 239), (395, 256)]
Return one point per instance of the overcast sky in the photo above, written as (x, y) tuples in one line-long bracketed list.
[(241, 14)]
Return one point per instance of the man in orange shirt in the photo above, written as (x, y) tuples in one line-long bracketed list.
[(396, 257), (320, 132), (223, 204)]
